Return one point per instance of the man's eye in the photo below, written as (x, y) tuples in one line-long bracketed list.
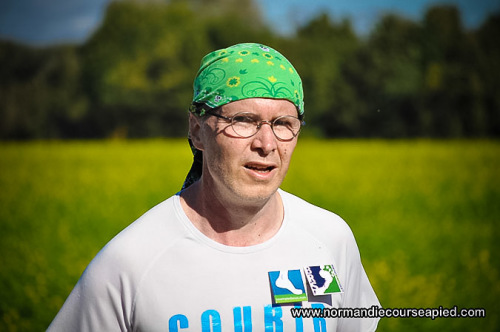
[(283, 122), (286, 123), (244, 119)]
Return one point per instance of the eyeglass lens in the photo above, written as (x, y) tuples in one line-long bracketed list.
[(247, 124)]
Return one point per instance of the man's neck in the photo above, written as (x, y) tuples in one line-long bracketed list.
[(230, 222)]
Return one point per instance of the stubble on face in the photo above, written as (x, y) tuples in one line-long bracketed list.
[(247, 169)]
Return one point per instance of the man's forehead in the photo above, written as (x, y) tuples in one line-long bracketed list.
[(261, 106)]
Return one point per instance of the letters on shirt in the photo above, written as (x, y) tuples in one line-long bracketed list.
[(287, 286), (211, 320)]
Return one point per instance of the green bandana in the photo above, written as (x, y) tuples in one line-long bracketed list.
[(239, 72), (246, 71)]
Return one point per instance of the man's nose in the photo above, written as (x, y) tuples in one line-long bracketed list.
[(265, 140)]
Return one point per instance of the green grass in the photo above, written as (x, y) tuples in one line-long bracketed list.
[(424, 213)]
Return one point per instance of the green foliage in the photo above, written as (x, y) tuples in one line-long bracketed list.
[(139, 68), (133, 77), (140, 65), (385, 79), (451, 76), (424, 214), (40, 94), (319, 51), (487, 80), (140, 54)]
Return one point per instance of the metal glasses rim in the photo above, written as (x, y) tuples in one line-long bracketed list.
[(271, 124)]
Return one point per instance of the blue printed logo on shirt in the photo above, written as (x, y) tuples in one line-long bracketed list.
[(287, 286)]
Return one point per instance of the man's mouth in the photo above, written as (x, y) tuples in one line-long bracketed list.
[(260, 168)]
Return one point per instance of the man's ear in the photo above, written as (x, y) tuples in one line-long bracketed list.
[(195, 128)]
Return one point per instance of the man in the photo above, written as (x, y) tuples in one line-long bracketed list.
[(231, 251)]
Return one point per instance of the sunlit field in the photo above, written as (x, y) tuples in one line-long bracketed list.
[(424, 214)]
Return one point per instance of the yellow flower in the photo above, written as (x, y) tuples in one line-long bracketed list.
[(270, 63), (233, 81), (255, 61), (238, 60), (290, 70), (225, 60), (272, 79), (282, 67)]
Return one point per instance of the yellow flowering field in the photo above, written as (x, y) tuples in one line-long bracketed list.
[(424, 214)]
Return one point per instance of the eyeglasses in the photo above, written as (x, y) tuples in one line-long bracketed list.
[(246, 124)]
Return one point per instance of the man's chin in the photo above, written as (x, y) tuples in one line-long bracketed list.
[(257, 192)]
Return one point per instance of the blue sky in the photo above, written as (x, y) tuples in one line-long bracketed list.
[(42, 22)]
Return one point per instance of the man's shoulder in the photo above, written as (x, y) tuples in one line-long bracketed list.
[(314, 219), (298, 205), (135, 246), (158, 220)]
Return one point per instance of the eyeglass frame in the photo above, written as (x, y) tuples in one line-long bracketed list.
[(259, 124)]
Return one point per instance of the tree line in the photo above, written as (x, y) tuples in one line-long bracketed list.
[(133, 76)]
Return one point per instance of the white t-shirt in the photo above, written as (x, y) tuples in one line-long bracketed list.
[(162, 274)]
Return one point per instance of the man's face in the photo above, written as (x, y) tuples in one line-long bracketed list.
[(245, 169)]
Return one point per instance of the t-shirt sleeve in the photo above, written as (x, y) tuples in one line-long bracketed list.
[(104, 297), (101, 300), (358, 292)]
